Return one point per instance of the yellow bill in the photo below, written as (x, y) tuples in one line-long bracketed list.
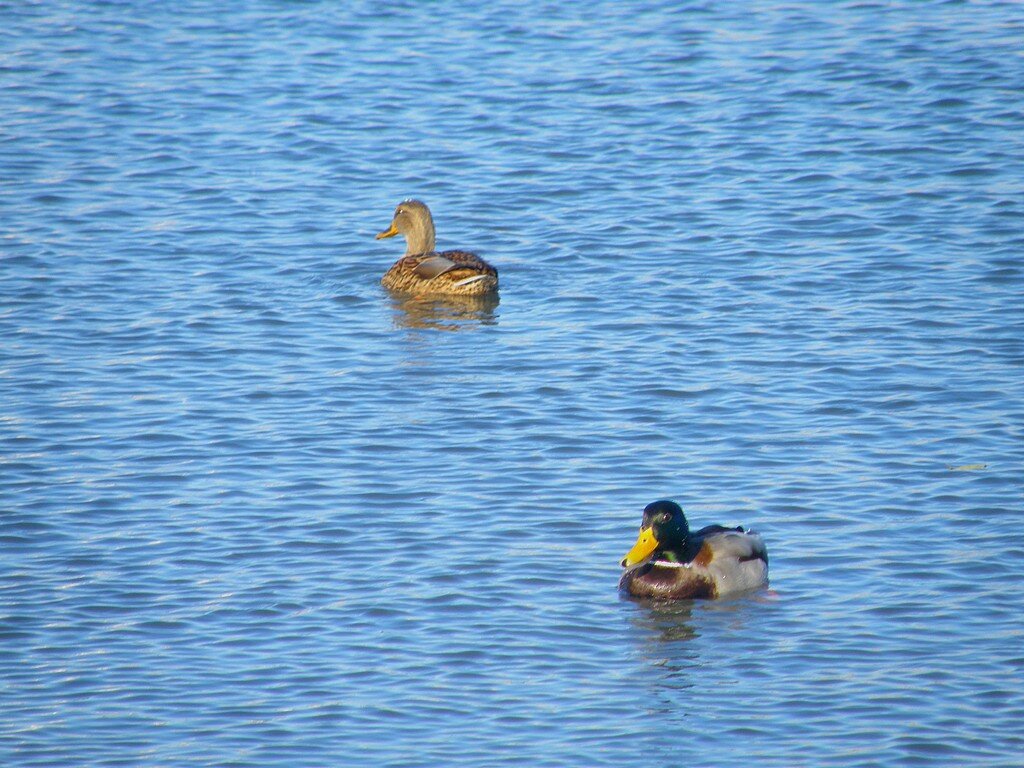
[(644, 547), (389, 232)]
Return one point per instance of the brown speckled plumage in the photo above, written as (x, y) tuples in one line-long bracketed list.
[(425, 271), (403, 275)]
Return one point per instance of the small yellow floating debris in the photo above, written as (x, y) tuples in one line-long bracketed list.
[(966, 467)]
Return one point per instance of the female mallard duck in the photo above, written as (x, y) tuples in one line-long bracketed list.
[(671, 562), (425, 271)]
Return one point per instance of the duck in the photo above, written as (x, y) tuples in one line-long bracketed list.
[(423, 270), (670, 561)]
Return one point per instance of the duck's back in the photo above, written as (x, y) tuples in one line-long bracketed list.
[(451, 272)]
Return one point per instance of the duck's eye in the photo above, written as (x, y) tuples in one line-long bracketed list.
[(399, 212), (665, 517)]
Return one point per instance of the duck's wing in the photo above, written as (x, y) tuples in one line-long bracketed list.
[(738, 560), (448, 272), (467, 260), (735, 543), (707, 530), (430, 267)]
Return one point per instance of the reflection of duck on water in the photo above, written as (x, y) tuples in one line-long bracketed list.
[(666, 621), (669, 561), (424, 271), (445, 313)]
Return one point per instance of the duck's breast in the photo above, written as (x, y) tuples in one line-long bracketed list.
[(668, 580)]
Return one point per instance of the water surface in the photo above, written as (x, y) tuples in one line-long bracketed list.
[(761, 258)]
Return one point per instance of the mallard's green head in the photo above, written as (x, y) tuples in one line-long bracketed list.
[(412, 219), (663, 527)]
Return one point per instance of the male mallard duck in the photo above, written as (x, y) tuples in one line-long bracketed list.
[(425, 271), (671, 562)]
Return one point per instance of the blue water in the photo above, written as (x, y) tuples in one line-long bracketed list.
[(766, 259)]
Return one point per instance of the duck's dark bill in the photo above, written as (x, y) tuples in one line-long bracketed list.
[(644, 547)]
